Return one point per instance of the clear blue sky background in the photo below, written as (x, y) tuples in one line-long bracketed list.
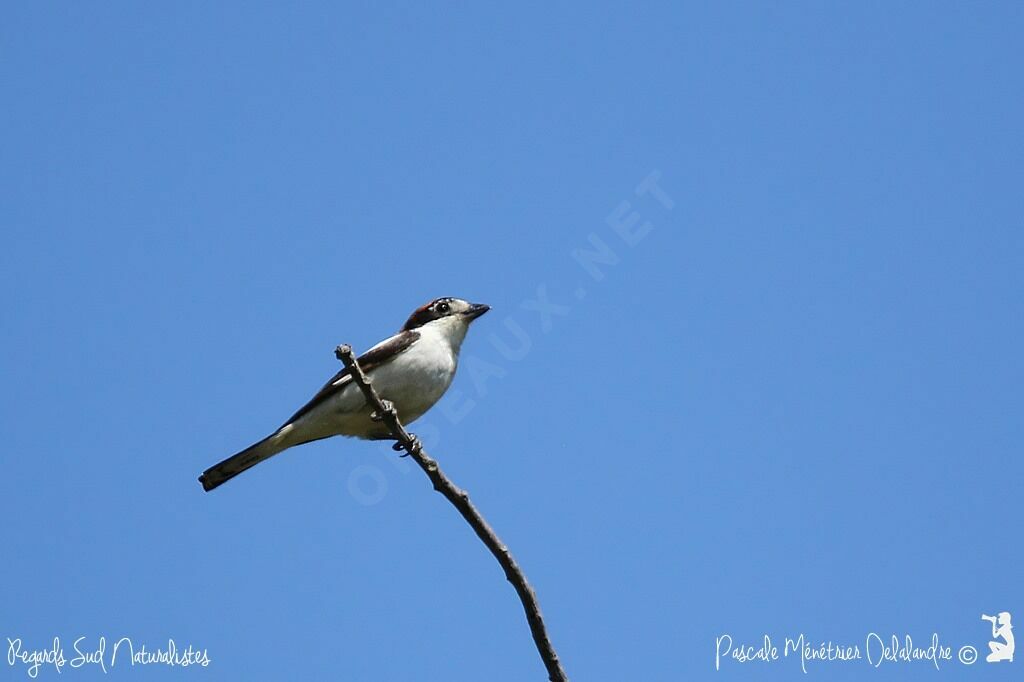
[(793, 405)]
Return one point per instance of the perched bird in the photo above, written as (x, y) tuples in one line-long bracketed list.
[(412, 369)]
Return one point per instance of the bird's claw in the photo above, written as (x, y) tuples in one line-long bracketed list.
[(414, 444), (388, 407)]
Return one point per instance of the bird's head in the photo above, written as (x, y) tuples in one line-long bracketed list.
[(449, 316)]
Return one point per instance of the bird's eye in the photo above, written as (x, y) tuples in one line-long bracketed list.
[(443, 308)]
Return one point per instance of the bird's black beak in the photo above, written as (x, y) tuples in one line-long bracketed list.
[(476, 310)]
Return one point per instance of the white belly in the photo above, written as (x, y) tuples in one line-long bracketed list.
[(414, 382)]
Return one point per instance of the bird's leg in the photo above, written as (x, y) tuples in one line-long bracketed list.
[(414, 444), (397, 446), (388, 407)]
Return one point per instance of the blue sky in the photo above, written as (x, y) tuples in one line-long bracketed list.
[(791, 402)]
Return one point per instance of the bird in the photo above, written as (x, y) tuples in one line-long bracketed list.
[(412, 369)]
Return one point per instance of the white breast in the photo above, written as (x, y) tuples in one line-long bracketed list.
[(414, 381), (417, 378)]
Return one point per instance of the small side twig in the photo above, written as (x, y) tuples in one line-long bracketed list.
[(386, 412)]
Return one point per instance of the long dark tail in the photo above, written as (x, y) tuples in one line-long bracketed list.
[(236, 464)]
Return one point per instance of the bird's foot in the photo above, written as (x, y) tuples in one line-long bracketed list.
[(414, 444), (388, 407)]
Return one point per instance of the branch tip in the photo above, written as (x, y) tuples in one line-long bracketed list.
[(385, 411)]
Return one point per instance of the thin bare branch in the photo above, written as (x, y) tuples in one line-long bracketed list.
[(386, 412)]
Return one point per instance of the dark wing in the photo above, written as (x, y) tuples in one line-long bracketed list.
[(376, 356)]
